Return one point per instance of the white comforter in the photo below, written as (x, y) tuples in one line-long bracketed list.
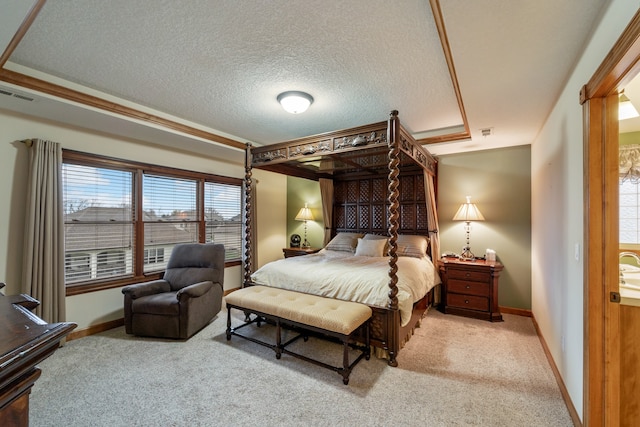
[(345, 276)]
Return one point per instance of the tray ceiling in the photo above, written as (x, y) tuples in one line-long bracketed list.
[(218, 66)]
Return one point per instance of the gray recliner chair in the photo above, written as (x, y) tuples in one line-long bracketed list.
[(184, 300)]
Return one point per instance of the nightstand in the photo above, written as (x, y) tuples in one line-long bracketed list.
[(470, 288), (291, 252)]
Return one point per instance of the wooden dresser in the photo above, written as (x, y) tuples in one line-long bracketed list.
[(291, 252), (470, 288), (25, 340)]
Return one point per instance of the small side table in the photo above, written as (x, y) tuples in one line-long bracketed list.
[(291, 252), (470, 288)]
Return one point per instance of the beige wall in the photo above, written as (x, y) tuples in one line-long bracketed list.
[(499, 183), (557, 210), (272, 216), (299, 192), (98, 307)]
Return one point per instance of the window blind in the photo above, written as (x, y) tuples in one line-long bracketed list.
[(170, 217), (223, 219), (98, 218)]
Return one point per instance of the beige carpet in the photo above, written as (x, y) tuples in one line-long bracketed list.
[(453, 372)]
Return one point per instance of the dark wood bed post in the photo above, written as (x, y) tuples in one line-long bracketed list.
[(247, 214), (393, 139)]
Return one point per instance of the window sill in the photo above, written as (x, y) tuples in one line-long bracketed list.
[(85, 288)]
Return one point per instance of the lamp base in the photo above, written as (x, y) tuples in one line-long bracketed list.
[(305, 244), (466, 254)]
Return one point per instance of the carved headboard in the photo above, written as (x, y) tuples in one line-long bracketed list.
[(361, 205)]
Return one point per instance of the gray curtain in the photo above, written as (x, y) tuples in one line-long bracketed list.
[(432, 218), (43, 257), (326, 193)]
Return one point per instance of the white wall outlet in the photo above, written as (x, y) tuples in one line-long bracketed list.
[(576, 252)]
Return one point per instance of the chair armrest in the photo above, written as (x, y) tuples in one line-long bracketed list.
[(196, 290), (147, 288)]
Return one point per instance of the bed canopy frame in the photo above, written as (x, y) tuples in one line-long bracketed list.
[(380, 151)]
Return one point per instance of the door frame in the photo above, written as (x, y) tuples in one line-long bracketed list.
[(599, 97)]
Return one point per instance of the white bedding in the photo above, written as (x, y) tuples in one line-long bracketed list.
[(342, 275)]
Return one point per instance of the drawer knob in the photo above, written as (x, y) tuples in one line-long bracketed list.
[(468, 287), (466, 301), (468, 274)]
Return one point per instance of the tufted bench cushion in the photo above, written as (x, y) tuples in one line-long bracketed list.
[(333, 315)]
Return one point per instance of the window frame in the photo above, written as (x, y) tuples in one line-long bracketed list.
[(139, 169)]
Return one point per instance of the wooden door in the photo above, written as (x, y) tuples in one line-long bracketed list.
[(612, 340)]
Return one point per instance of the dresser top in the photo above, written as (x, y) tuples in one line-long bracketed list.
[(477, 262)]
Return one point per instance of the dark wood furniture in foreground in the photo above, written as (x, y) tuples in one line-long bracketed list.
[(291, 252), (25, 340), (470, 288)]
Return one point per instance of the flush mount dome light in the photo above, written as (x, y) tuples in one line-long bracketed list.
[(295, 102)]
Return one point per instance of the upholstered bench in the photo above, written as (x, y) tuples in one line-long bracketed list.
[(327, 316)]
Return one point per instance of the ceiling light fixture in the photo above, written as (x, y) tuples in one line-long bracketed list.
[(295, 102), (626, 110)]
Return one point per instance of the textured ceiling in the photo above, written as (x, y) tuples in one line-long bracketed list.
[(219, 65)]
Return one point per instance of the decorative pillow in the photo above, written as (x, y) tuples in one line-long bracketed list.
[(370, 247), (379, 237), (410, 245), (345, 242)]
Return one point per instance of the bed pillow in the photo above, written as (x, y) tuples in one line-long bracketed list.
[(371, 247), (345, 242), (411, 245)]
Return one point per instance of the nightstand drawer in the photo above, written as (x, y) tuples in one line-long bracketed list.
[(470, 288), (468, 301), (477, 276)]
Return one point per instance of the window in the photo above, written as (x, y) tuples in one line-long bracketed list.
[(629, 212), (154, 256), (122, 219), (111, 263), (169, 213), (223, 219), (98, 219), (77, 267)]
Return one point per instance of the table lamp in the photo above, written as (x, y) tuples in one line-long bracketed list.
[(468, 212), (305, 215)]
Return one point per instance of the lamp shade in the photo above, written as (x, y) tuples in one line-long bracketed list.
[(295, 102), (304, 214), (468, 212)]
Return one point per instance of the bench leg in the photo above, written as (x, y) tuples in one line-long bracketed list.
[(367, 341), (278, 340), (228, 323), (346, 370)]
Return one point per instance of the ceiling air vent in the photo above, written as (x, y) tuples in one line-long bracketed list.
[(16, 95), (26, 98)]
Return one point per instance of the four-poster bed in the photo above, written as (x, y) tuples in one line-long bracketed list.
[(376, 180)]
